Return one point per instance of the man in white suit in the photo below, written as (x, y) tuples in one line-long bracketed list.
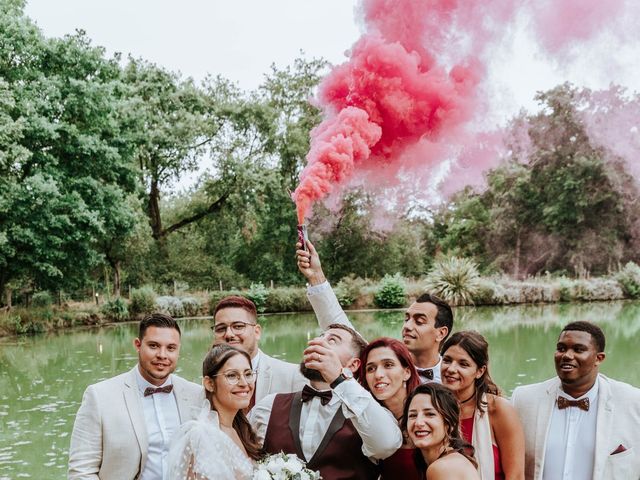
[(236, 323), (124, 426), (427, 322), (580, 425)]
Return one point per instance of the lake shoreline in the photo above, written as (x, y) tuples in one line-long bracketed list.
[(18, 321)]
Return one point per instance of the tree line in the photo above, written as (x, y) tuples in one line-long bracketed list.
[(93, 149)]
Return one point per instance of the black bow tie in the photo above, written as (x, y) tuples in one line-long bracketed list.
[(426, 373), (309, 392), (150, 390), (582, 404)]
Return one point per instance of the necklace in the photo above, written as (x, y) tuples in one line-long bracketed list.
[(465, 401)]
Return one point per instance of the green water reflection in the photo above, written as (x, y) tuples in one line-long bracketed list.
[(42, 379)]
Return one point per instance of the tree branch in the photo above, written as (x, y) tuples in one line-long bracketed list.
[(214, 207)]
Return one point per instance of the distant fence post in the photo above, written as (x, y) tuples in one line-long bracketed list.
[(220, 283)]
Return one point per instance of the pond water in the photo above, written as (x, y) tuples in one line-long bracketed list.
[(42, 378)]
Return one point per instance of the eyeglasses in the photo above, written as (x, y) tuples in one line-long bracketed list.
[(236, 327), (233, 377)]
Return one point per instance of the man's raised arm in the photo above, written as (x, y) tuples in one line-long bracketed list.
[(319, 292)]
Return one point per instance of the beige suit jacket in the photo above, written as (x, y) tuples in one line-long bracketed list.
[(109, 438), (618, 423), (276, 376)]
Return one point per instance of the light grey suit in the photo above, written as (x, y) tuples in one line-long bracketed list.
[(276, 376), (109, 439), (618, 423)]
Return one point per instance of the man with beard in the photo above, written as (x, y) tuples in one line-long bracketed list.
[(427, 322), (124, 425), (580, 425), (334, 424)]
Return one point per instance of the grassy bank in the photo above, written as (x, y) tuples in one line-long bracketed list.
[(458, 282)]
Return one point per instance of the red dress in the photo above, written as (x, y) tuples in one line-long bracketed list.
[(466, 428), (400, 465)]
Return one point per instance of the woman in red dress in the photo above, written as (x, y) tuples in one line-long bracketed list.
[(387, 371), (487, 420)]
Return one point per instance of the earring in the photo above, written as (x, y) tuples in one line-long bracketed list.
[(404, 384)]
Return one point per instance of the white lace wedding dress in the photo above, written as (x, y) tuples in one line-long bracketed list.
[(201, 451)]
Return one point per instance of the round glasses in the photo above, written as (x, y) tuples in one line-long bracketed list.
[(233, 377), (220, 329)]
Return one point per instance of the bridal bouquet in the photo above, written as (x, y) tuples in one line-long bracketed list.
[(283, 466)]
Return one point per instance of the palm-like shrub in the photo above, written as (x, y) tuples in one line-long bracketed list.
[(454, 279)]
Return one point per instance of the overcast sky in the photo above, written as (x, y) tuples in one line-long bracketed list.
[(240, 39)]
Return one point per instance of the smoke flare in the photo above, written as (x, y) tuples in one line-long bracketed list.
[(407, 99)]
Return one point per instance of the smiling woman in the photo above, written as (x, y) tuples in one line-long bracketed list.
[(221, 444), (431, 418)]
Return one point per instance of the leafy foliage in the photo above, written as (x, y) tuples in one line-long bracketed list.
[(392, 292), (42, 299), (629, 279), (258, 294), (561, 204), (115, 310), (142, 301)]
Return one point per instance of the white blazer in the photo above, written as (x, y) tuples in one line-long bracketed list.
[(618, 423), (276, 376), (109, 439)]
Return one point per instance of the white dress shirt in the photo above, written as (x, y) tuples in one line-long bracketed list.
[(335, 314), (376, 425), (571, 441), (255, 361), (162, 420)]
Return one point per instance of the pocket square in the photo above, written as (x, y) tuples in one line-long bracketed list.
[(621, 448)]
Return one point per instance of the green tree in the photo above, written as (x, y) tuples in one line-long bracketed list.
[(560, 204), (62, 104)]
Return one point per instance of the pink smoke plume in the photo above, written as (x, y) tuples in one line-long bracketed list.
[(404, 103), (612, 120)]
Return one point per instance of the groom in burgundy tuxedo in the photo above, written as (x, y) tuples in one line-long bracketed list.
[(334, 424)]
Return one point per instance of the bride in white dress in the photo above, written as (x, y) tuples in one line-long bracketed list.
[(220, 444)]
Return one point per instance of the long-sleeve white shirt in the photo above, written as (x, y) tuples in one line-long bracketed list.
[(377, 427)]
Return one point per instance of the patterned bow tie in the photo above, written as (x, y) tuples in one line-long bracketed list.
[(426, 373), (309, 392), (150, 390), (582, 404)]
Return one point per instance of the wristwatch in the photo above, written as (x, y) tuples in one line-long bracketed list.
[(345, 374)]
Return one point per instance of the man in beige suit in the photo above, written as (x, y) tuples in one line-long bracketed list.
[(124, 426), (580, 425), (236, 323)]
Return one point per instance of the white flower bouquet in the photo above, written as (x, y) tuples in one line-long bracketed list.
[(283, 466)]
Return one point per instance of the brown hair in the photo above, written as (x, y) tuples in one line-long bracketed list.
[(357, 342), (477, 348), (158, 320), (212, 364), (404, 357), (236, 301), (446, 404)]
